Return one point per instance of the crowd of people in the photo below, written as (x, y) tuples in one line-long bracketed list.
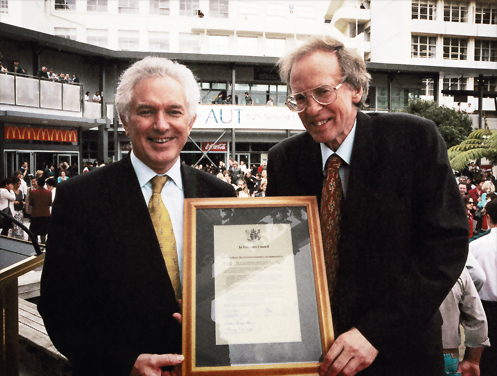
[(248, 182)]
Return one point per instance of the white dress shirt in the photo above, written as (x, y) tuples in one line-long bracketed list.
[(485, 251), (172, 196), (344, 152)]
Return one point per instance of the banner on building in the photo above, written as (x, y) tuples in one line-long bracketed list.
[(220, 146), (40, 134)]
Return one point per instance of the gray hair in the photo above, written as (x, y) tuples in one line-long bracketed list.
[(351, 64), (151, 67)]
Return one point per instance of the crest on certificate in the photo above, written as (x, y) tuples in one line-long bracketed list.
[(253, 234)]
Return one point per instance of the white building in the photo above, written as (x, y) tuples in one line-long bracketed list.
[(413, 48)]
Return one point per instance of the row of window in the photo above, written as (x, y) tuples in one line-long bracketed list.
[(455, 11), (188, 42), (453, 48), (247, 10)]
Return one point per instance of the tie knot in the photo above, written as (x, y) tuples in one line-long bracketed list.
[(334, 162), (158, 183)]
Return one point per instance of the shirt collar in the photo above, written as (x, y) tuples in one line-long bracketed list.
[(145, 173), (344, 151)]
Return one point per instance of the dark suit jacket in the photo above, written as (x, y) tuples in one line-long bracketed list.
[(404, 235), (106, 296), (40, 201)]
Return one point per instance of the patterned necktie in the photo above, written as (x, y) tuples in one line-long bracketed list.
[(330, 216), (165, 234)]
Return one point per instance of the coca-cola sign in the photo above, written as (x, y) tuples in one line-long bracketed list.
[(220, 146)]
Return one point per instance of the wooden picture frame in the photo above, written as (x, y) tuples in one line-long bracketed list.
[(255, 295)]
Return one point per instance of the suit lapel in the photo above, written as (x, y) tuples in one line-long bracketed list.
[(311, 170)]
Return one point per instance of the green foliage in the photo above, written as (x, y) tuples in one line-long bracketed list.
[(453, 125), (481, 143)]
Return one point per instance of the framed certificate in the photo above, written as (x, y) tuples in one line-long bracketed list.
[(255, 297)]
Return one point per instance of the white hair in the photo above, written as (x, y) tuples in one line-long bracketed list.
[(151, 67)]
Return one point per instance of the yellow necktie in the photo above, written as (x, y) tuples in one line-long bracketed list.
[(165, 234)]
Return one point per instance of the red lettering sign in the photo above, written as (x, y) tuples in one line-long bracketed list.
[(220, 146)]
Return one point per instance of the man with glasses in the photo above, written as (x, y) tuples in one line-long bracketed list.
[(394, 248)]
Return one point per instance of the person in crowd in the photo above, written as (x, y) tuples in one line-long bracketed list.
[(219, 98), (243, 167), (248, 99), (135, 206), (16, 68), (27, 206), (487, 187), (24, 186), (52, 75), (261, 190), (18, 213), (62, 177), (387, 284), (249, 181), (235, 172), (242, 190), (7, 198), (75, 79), (62, 78), (97, 97), (51, 184), (68, 78), (42, 73), (227, 176), (222, 167), (462, 306), (463, 189), (49, 171), (270, 102), (39, 173), (25, 172), (2, 68), (40, 201), (229, 99), (475, 194), (87, 96), (470, 206), (469, 184), (484, 250)]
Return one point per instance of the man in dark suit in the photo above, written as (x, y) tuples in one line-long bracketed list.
[(403, 239), (106, 296)]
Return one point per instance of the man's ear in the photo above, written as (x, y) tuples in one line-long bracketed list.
[(125, 124), (192, 120), (357, 95)]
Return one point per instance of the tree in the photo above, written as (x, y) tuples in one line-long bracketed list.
[(454, 126), (481, 143)]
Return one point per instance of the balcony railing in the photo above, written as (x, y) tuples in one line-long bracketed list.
[(23, 90)]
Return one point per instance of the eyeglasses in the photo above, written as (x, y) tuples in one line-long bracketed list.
[(470, 202), (324, 95)]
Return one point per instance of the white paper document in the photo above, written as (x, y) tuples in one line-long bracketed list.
[(255, 286)]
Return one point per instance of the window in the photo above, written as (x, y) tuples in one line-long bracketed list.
[(486, 13), (188, 7), (306, 13), (4, 6), (159, 7), (128, 6), (428, 87), (399, 97), (423, 46), (128, 40), (218, 8), (98, 37), (276, 10), (189, 43), (64, 32), (275, 47), (247, 46), (489, 84), (247, 11), (65, 4), (96, 5), (455, 49), (158, 41), (485, 50), (455, 11), (455, 83), (219, 44), (424, 10)]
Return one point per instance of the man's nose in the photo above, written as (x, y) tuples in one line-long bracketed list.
[(312, 105), (161, 121)]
